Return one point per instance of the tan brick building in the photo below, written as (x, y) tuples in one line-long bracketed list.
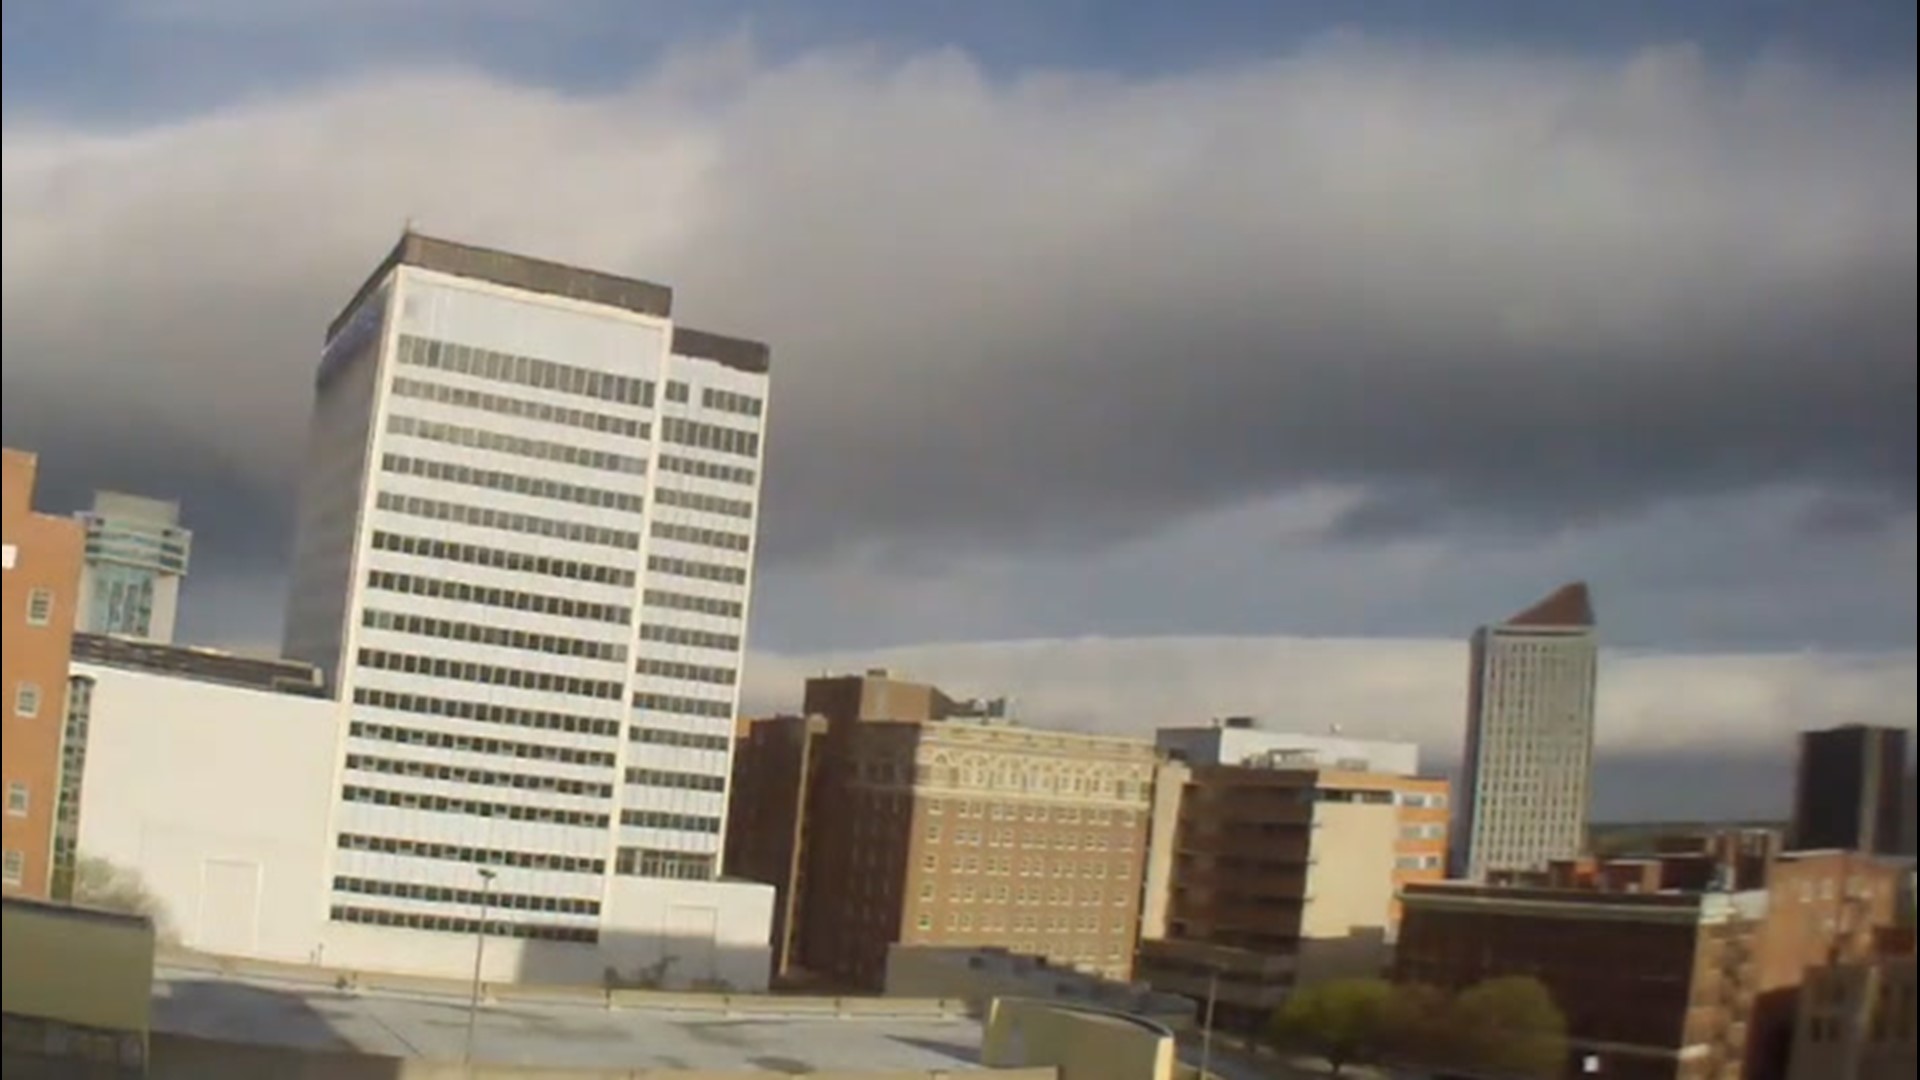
[(933, 821), (1263, 879), (42, 582)]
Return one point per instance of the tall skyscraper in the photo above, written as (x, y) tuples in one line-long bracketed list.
[(1528, 766), (1850, 792), (524, 564), (136, 558)]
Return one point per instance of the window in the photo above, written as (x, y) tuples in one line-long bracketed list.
[(26, 700), (16, 867), (39, 607), (17, 799)]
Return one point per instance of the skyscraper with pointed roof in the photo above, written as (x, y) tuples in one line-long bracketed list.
[(1526, 776)]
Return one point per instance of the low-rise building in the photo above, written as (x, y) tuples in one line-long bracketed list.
[(1265, 878), (1659, 976), (1856, 1022), (211, 776), (977, 976)]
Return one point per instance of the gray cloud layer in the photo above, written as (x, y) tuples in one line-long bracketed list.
[(1351, 299)]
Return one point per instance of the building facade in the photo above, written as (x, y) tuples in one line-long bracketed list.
[(1243, 740), (1528, 765), (775, 762), (1850, 790), (1856, 1022), (1264, 879), (1662, 971), (136, 558), (946, 824), (42, 583), (524, 566)]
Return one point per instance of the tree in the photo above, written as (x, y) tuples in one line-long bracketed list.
[(1342, 1021), (1509, 1026), (100, 883), (1416, 1026)]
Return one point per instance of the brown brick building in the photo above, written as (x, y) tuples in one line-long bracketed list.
[(1262, 879), (774, 763), (1659, 977), (42, 582), (932, 821)]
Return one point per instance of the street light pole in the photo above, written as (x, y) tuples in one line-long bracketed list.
[(1206, 1026), (479, 959)]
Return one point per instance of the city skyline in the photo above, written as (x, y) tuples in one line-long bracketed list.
[(986, 460)]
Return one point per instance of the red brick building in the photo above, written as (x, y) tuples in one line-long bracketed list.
[(1661, 976)]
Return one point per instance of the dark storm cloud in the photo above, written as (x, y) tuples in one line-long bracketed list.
[(1063, 310)]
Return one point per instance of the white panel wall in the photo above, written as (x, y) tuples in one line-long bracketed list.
[(204, 789)]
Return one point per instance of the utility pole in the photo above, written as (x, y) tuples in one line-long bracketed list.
[(479, 959), (1206, 1026)]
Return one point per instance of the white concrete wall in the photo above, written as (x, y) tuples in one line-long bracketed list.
[(1235, 746), (218, 797), (1343, 928), (717, 932)]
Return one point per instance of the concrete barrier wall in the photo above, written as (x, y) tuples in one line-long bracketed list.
[(180, 1057), (1083, 1044), (533, 993)]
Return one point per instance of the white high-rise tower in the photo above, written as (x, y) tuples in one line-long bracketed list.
[(1528, 769), (524, 563)]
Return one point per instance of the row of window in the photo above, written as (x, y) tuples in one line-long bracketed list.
[(654, 863), (998, 811), (441, 804), (667, 819), (453, 894), (465, 592), (685, 706), (702, 436), (695, 534), (967, 892), (525, 371), (702, 605), (440, 740), (710, 504), (1024, 867), (706, 470), (687, 740), (497, 636), (518, 446), (520, 860), (677, 392), (39, 607), (674, 669), (459, 774), (533, 487), (731, 401), (459, 924), (486, 712), (1063, 841), (440, 667), (1417, 862), (679, 781), (498, 559), (521, 408), (486, 517), (1432, 830), (691, 638), (699, 571)]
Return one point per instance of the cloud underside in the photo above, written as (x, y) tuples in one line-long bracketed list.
[(1059, 311), (1678, 736)]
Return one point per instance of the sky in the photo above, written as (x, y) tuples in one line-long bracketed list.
[(1147, 362)]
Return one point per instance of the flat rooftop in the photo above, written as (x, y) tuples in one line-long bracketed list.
[(313, 1016)]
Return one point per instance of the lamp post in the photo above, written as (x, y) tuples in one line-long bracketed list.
[(1206, 1025), (479, 959)]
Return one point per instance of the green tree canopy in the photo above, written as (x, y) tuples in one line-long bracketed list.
[(1343, 1021), (1509, 1026)]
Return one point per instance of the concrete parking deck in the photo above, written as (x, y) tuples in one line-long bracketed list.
[(567, 1035)]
